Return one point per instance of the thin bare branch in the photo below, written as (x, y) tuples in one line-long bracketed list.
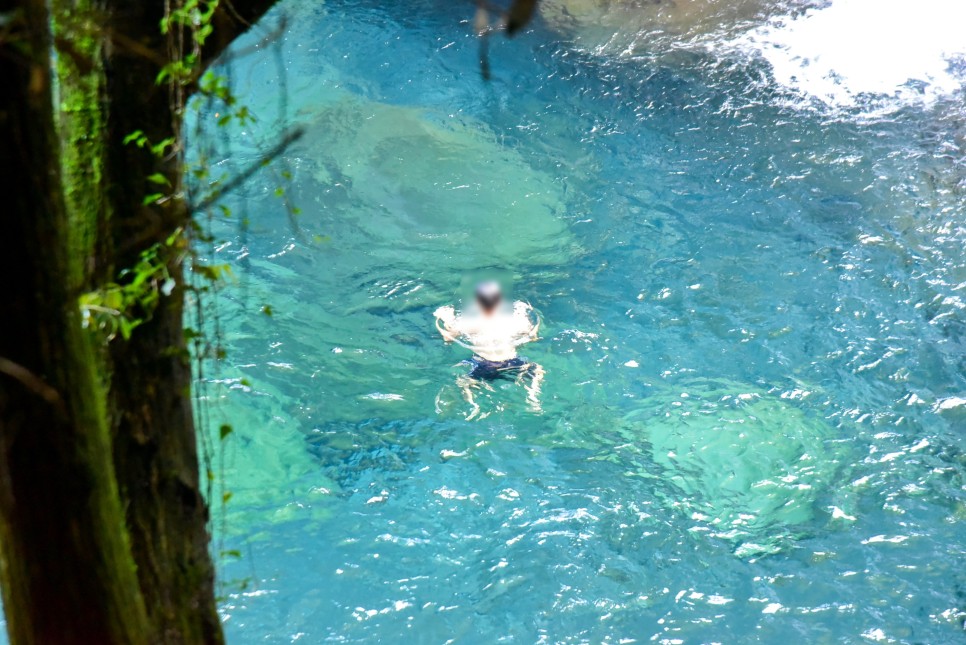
[(30, 381), (287, 139)]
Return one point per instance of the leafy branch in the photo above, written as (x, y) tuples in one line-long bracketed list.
[(120, 307)]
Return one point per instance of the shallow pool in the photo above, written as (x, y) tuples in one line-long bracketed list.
[(752, 284)]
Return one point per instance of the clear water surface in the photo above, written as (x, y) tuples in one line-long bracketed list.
[(752, 287), (752, 283)]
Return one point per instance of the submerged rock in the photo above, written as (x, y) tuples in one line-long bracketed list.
[(743, 465), (624, 26), (428, 190)]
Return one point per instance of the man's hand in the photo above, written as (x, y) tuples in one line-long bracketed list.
[(444, 318), (446, 314)]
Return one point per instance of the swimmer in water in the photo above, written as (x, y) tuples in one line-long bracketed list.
[(493, 330)]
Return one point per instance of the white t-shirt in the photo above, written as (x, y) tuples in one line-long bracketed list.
[(493, 336)]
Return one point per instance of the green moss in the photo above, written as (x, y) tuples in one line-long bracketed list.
[(81, 129)]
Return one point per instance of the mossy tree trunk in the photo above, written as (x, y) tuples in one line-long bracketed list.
[(155, 447), (76, 568), (80, 120), (154, 437), (65, 565)]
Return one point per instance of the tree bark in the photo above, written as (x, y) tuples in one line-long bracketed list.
[(65, 566), (155, 444), (95, 549), (155, 449)]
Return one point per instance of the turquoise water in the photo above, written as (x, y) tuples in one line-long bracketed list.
[(753, 414)]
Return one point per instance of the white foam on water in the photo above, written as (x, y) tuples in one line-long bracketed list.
[(898, 50)]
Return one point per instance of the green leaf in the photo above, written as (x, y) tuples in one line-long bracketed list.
[(126, 327), (267, 310), (243, 115), (225, 497), (158, 178), (113, 298), (203, 32), (159, 148), (213, 272), (152, 198), (133, 136), (225, 430)]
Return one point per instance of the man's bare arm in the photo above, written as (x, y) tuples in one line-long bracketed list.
[(525, 311)]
